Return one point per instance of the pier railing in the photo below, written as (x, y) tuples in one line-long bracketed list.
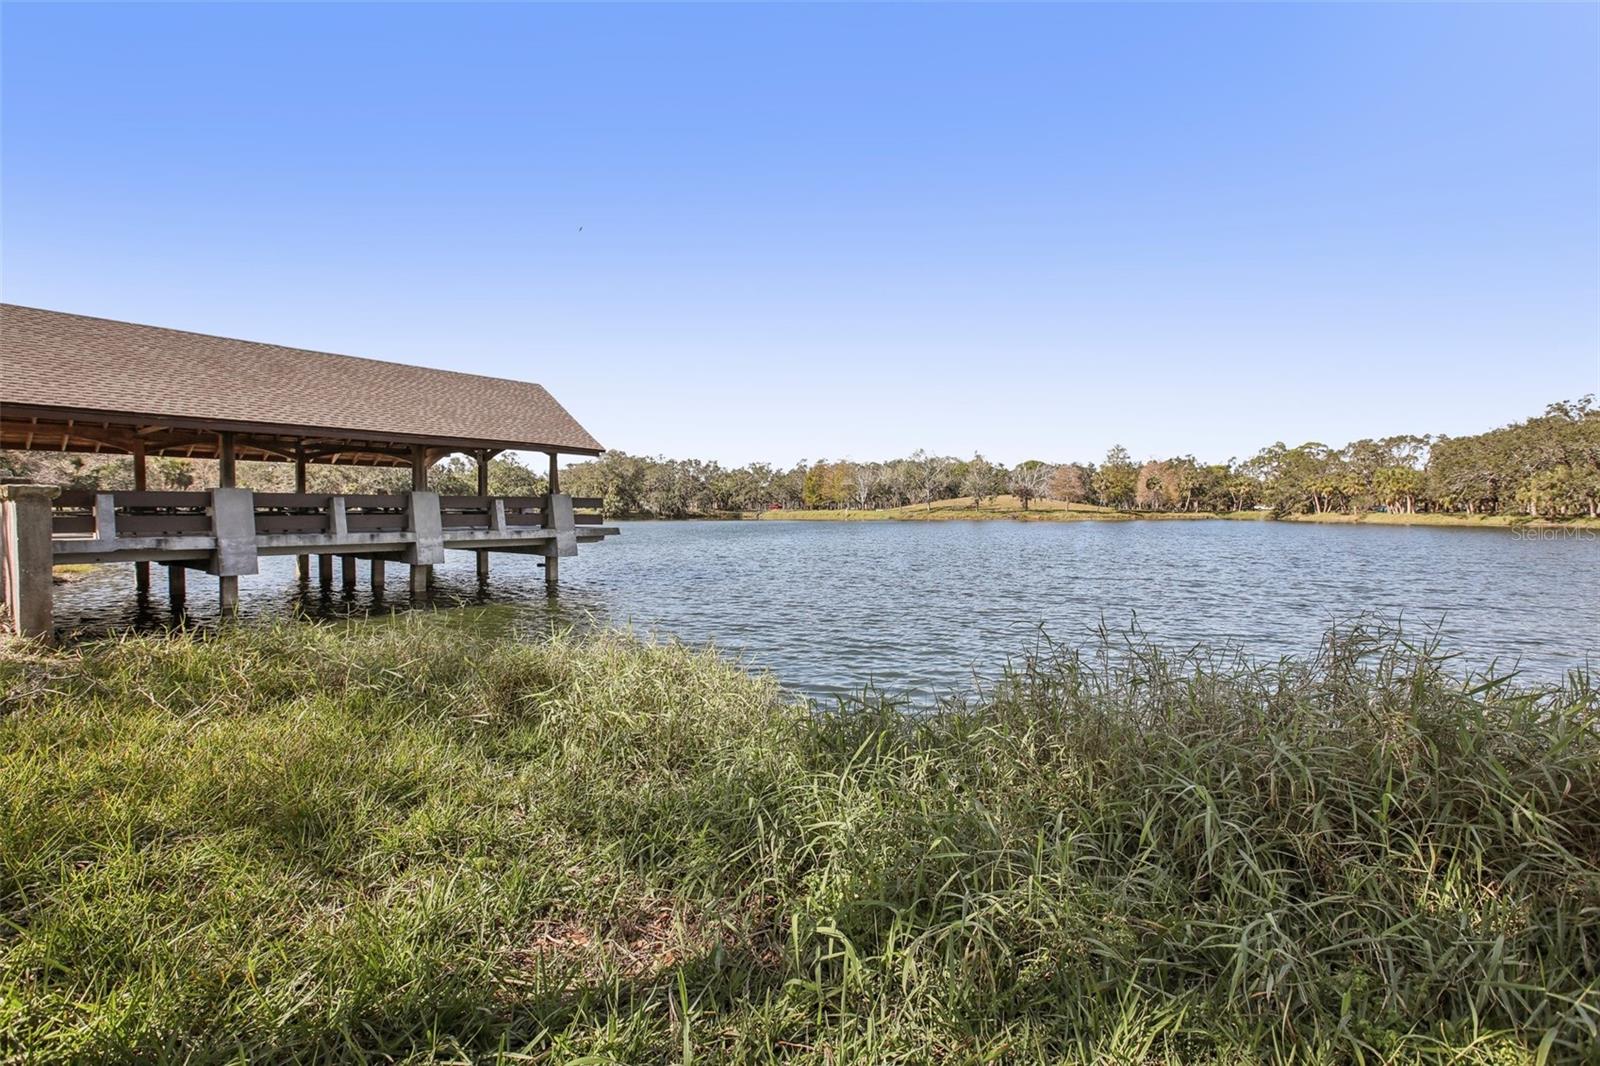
[(108, 517), (225, 531)]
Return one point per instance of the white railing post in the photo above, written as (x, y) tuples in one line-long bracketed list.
[(426, 524), (233, 522), (105, 518)]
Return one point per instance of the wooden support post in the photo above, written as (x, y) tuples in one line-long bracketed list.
[(177, 586), (421, 574), (347, 568), (483, 490), (377, 576), (419, 468), (324, 570), (25, 515), (227, 471), (227, 478), (141, 571), (552, 565), (302, 563)]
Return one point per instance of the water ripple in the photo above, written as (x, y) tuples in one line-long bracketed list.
[(925, 606)]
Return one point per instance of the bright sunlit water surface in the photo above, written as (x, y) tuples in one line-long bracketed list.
[(928, 606)]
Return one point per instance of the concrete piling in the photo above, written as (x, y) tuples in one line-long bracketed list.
[(29, 593)]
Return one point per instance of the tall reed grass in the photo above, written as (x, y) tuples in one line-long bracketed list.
[(404, 842)]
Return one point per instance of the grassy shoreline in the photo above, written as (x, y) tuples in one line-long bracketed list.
[(1008, 507), (402, 840)]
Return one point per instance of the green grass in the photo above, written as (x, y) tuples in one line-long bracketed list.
[(404, 842), (1009, 507), (65, 572)]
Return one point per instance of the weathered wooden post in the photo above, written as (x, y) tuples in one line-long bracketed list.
[(324, 571), (302, 563), (347, 569), (422, 560), (141, 570), (483, 490), (377, 576), (552, 563), (25, 516), (227, 583), (177, 586)]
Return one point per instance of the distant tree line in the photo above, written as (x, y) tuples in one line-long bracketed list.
[(1547, 466)]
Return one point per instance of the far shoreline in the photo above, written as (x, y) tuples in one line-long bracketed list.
[(1006, 508)]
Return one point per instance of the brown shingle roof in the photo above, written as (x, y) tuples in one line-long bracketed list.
[(51, 359)]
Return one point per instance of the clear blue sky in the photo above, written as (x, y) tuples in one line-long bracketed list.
[(831, 231)]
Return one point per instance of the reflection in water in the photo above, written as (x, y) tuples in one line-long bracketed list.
[(927, 605)]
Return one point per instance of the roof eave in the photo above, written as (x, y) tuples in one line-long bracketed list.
[(136, 418)]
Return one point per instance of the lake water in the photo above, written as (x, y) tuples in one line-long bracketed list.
[(924, 606)]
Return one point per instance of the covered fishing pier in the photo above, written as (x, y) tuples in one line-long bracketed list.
[(72, 383)]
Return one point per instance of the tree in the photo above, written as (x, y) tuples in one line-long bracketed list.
[(1397, 487), (980, 480), (1070, 483), (864, 481), (1116, 482), (1156, 487), (1306, 478), (1030, 480), (928, 475), (827, 486), (617, 478), (1240, 489)]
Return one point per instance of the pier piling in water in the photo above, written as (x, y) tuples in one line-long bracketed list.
[(141, 570), (29, 583), (483, 490), (177, 586), (302, 563)]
